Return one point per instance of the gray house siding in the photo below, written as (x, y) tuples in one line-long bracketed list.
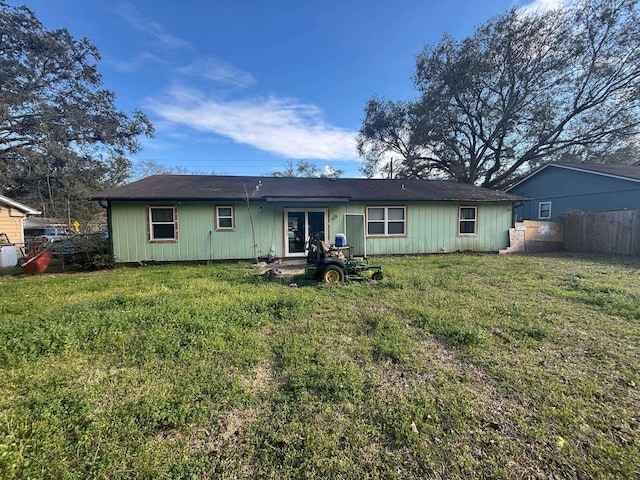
[(566, 189)]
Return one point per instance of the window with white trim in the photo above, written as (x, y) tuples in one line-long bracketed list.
[(225, 217), (544, 210), (163, 225), (386, 221), (467, 221)]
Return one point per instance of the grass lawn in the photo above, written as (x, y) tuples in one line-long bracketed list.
[(454, 366)]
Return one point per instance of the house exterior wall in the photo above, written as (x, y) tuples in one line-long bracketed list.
[(431, 228), (569, 189), (11, 223), (197, 235)]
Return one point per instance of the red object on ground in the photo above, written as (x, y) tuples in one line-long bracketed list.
[(37, 263)]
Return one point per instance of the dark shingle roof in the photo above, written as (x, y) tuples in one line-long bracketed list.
[(290, 189), (625, 172)]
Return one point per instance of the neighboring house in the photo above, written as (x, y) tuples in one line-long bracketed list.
[(559, 187), (208, 217), (12, 217)]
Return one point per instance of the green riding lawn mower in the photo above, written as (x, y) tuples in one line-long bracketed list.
[(333, 264)]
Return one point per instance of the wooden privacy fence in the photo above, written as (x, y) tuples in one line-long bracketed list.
[(602, 232)]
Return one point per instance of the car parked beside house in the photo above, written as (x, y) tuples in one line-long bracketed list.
[(57, 239)]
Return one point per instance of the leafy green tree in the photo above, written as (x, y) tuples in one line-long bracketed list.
[(523, 90), (61, 135), (306, 169)]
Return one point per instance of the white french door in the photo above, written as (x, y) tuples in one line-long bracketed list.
[(299, 224)]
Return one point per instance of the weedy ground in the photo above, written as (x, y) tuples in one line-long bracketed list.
[(453, 366)]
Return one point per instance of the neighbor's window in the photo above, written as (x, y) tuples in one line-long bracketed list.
[(467, 220), (163, 226), (386, 221), (225, 218), (544, 210)]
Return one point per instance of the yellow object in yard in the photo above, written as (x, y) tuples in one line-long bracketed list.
[(76, 226)]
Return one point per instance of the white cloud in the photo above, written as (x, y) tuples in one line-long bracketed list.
[(282, 126), (135, 64), (155, 30), (219, 71), (279, 125), (539, 6)]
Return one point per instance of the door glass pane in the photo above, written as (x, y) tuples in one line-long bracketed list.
[(316, 222), (295, 231)]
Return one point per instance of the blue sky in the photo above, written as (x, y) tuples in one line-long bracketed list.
[(241, 87)]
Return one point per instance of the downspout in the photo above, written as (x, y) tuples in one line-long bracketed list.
[(210, 246), (514, 206)]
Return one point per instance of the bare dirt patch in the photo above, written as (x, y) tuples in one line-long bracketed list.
[(285, 269), (262, 378)]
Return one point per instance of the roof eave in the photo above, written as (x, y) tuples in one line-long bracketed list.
[(19, 206), (603, 174), (575, 168)]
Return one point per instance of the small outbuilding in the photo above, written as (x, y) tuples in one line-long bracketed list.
[(211, 217)]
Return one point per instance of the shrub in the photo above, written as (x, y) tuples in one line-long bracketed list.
[(90, 252)]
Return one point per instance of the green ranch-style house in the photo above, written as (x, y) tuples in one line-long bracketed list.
[(209, 217)]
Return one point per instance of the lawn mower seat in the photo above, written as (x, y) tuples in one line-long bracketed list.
[(326, 251)]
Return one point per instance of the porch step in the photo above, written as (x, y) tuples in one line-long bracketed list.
[(516, 240)]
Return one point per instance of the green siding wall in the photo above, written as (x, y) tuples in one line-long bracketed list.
[(195, 242), (432, 228)]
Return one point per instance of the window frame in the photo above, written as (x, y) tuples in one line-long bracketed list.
[(540, 217), (467, 220), (385, 221), (151, 223), (218, 217)]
